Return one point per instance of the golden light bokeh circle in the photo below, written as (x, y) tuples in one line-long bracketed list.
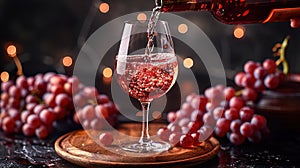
[(104, 7), (239, 32), (188, 62), (141, 16), (107, 72), (67, 61), (11, 50), (182, 28), (4, 76)]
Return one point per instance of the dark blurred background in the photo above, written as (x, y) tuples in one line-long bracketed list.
[(46, 31)]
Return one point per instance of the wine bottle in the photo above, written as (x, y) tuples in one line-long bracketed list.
[(238, 11)]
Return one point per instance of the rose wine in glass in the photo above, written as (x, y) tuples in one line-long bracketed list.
[(146, 74)]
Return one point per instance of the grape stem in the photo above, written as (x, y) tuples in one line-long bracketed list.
[(281, 53)]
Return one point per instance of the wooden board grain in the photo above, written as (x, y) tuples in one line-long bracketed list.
[(80, 147)]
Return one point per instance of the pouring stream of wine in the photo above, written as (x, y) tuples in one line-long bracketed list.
[(150, 31)]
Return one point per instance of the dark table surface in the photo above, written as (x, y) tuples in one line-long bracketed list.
[(17, 151)]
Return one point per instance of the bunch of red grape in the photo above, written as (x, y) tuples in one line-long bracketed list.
[(223, 110), (94, 110), (258, 77), (32, 104)]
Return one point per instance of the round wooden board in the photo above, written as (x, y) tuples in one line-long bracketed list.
[(79, 148)]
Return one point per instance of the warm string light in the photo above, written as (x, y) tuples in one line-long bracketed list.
[(141, 17), (12, 52), (67, 61), (104, 7), (182, 28), (4, 76), (107, 72), (188, 62), (239, 32)]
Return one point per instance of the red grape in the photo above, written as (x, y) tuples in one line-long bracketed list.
[(183, 122), (171, 116), (248, 81), (218, 112), (62, 100), (236, 138), (21, 82), (271, 81), (28, 130), (42, 132), (255, 137), (246, 113), (259, 86), (238, 78), (24, 115), (249, 67), (174, 127), (235, 125), (194, 126), (199, 102), (198, 138), (258, 121), (223, 124), (229, 92), (106, 138), (47, 116), (247, 129), (259, 73), (60, 112), (197, 115), (164, 134), (101, 111), (186, 141), (209, 119), (34, 121), (232, 114), (15, 92), (56, 89), (97, 124), (38, 108), (8, 125), (220, 132), (188, 108), (236, 102), (79, 101), (249, 94), (57, 80), (102, 99), (174, 138), (270, 66), (49, 100), (6, 85), (190, 97)]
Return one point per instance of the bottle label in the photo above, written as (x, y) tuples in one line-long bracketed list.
[(285, 14)]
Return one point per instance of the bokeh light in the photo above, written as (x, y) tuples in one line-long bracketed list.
[(67, 61), (107, 72), (239, 32), (104, 7), (11, 50), (4, 76), (182, 28), (188, 62), (141, 16)]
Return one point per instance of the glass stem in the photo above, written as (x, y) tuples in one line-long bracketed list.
[(145, 137)]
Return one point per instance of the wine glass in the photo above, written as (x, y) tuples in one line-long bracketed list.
[(146, 69)]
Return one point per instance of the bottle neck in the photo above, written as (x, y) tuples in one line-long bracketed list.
[(183, 5)]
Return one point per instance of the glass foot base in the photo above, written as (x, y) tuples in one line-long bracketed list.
[(149, 147)]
